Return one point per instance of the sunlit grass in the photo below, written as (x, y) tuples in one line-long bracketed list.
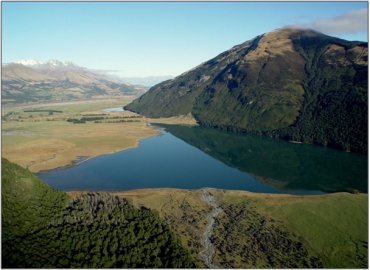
[(47, 142)]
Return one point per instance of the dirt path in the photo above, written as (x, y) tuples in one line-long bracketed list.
[(209, 250)]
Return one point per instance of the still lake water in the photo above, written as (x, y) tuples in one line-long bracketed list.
[(193, 158), (119, 109)]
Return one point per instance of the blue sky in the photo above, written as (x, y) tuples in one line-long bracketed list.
[(138, 39)]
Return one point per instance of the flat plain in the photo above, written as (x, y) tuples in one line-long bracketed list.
[(39, 141), (42, 141)]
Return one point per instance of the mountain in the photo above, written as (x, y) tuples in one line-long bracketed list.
[(51, 64), (29, 63), (17, 73), (294, 84), (37, 81)]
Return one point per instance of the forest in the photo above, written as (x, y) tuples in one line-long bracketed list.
[(46, 228)]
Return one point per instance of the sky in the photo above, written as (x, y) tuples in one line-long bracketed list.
[(139, 39)]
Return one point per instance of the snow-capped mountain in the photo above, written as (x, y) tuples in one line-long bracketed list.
[(51, 64), (29, 63)]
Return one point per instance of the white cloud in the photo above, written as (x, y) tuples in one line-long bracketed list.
[(351, 22)]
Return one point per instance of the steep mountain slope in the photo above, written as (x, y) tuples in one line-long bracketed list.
[(57, 80), (289, 83)]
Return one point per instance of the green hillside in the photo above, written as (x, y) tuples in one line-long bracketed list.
[(45, 228), (291, 84)]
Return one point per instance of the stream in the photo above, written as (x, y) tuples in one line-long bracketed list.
[(209, 250)]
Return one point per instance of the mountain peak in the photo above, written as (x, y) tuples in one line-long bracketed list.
[(293, 83), (29, 62), (50, 64)]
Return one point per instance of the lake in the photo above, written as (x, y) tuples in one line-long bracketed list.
[(119, 109), (196, 157)]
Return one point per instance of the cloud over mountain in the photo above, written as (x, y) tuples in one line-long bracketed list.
[(351, 22)]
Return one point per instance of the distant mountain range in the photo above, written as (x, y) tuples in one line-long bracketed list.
[(54, 64), (295, 84), (51, 64), (38, 81)]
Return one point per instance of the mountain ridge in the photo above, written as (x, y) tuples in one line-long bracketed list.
[(56, 80), (287, 83), (55, 64), (50, 64)]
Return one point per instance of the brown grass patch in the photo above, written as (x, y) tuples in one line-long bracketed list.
[(175, 120), (40, 144)]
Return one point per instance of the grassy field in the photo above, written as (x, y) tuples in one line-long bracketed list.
[(332, 229), (41, 141)]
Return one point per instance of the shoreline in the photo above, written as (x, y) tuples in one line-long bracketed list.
[(145, 191), (72, 164)]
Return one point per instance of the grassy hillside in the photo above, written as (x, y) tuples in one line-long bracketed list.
[(46, 228), (291, 84), (334, 227), (268, 230)]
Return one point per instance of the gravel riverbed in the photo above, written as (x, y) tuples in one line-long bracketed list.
[(209, 250)]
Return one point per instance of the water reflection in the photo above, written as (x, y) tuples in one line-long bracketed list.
[(278, 163)]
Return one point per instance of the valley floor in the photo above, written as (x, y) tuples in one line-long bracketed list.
[(39, 141)]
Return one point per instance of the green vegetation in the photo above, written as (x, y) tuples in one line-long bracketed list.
[(37, 110), (315, 231), (98, 119), (94, 114), (337, 231), (44, 227), (246, 239), (92, 118), (311, 89), (334, 112), (269, 230), (76, 121), (117, 121)]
